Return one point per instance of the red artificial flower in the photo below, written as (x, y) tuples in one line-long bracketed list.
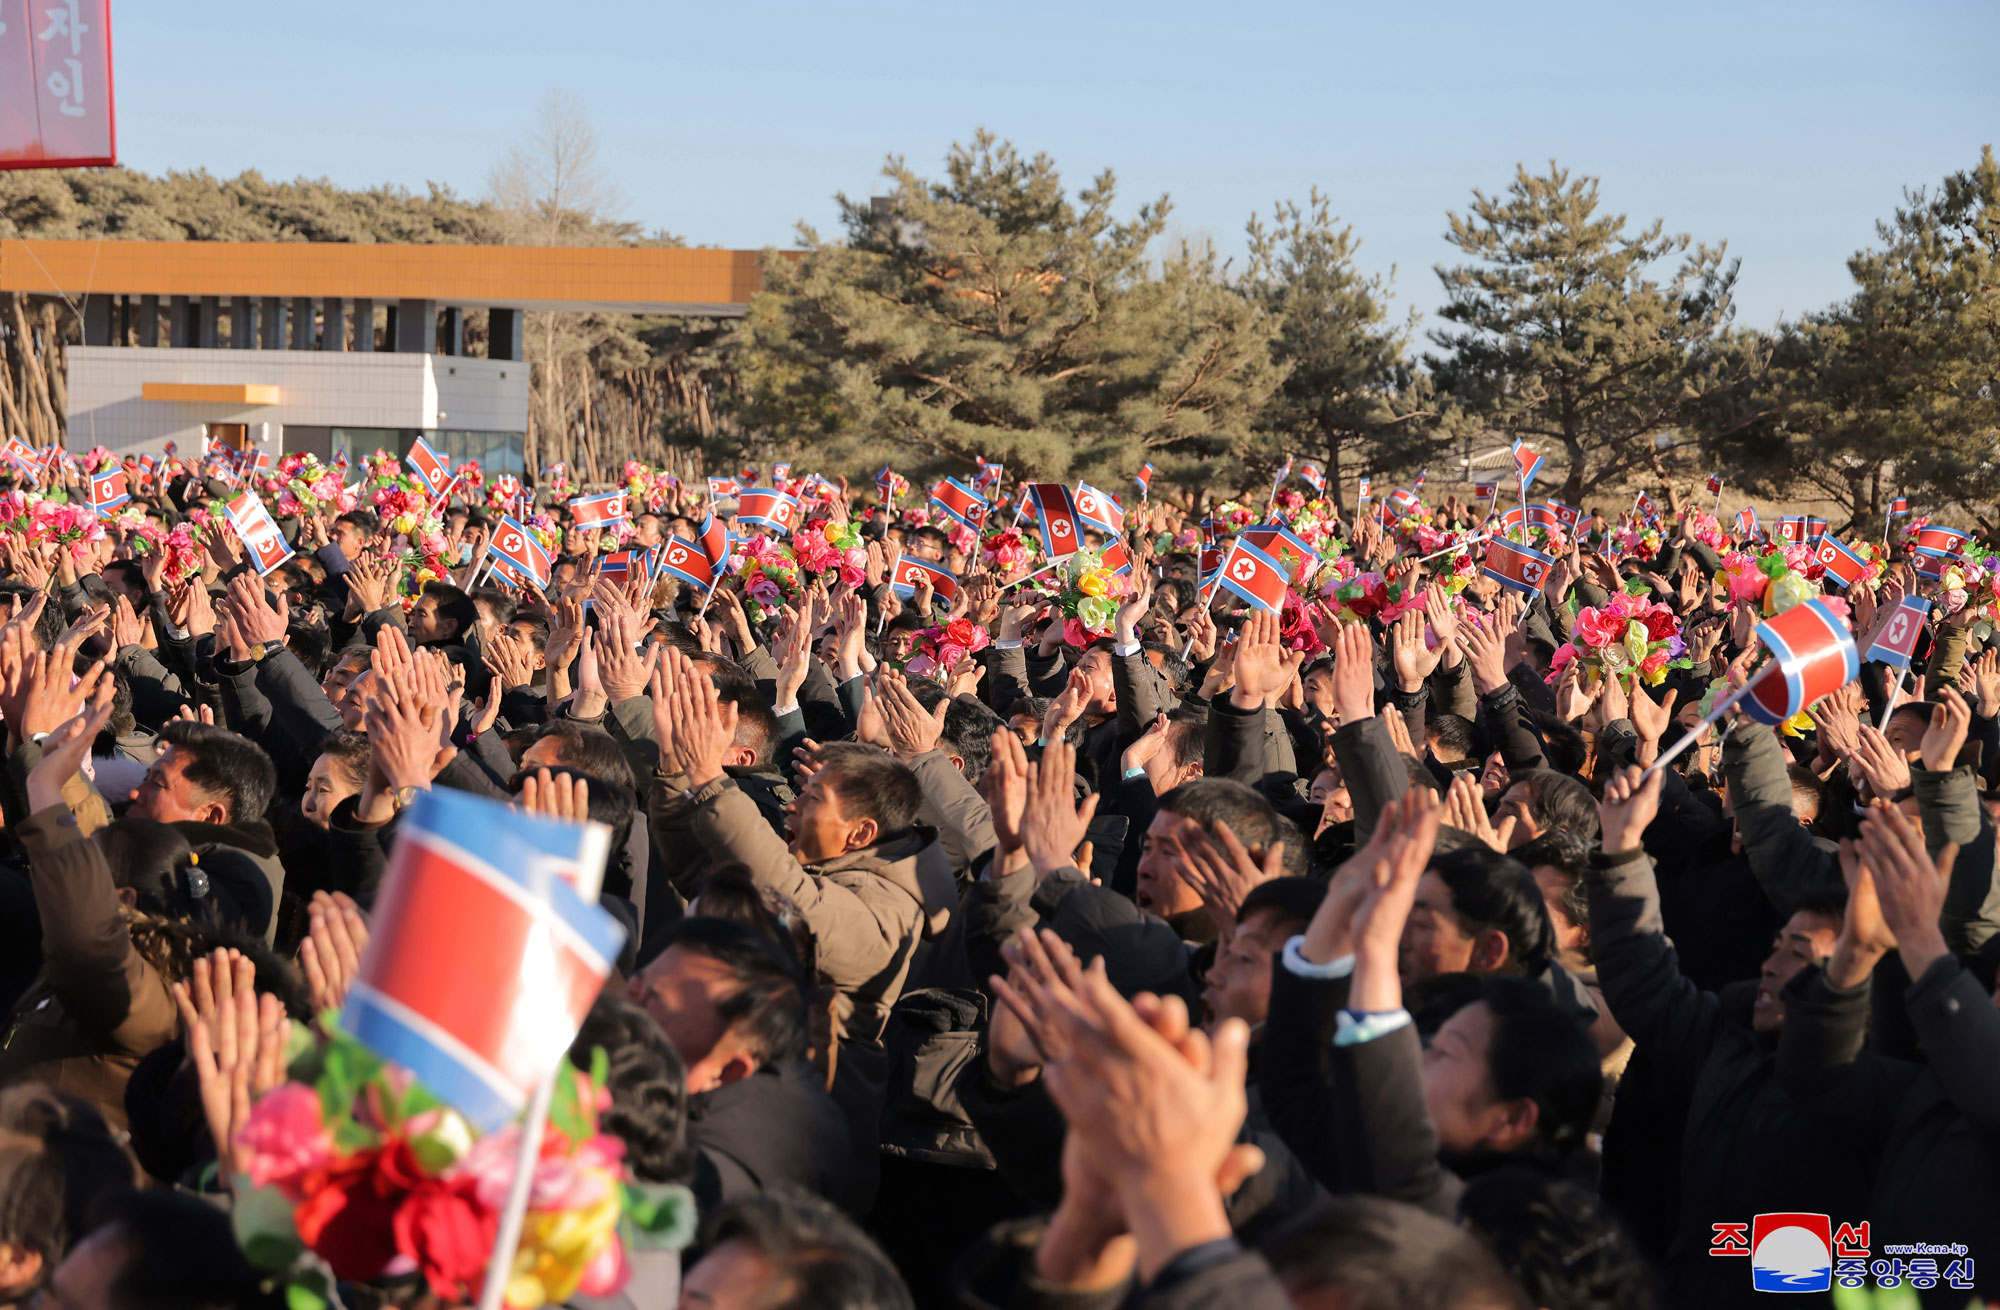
[(960, 632), (348, 1218), (443, 1227), (1661, 624)]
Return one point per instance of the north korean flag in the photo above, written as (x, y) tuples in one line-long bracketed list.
[(622, 564), (1418, 485), (1402, 501), (22, 456), (1289, 549), (1055, 515), (1896, 640), (107, 491), (1144, 477), (1647, 509), (686, 561), (719, 487), (1254, 576), (1543, 516), (253, 523), (1283, 473), (714, 539), (773, 511), (1900, 505), (516, 555), (1746, 522), (1486, 491), (431, 468), (1814, 656), (1526, 464), (1513, 517), (1792, 530), (1815, 529), (1367, 486), (598, 511), (961, 503), (485, 950), (1567, 515), (781, 472), (1715, 484), (1211, 564), (1313, 475), (1117, 558), (885, 483), (1099, 511), (944, 584), (989, 475), (1842, 564), (1943, 542), (1522, 568)]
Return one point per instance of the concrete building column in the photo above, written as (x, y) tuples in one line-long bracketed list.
[(272, 311), (242, 323), (333, 332), (504, 329), (182, 315), (416, 327), (302, 323), (454, 330), (208, 330), (364, 323), (97, 320), (149, 320)]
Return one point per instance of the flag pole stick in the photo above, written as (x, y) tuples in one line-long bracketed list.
[(508, 1239), (1897, 690), (1709, 720), (1522, 482), (1055, 564)]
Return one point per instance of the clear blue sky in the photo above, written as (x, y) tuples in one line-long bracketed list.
[(1787, 129)]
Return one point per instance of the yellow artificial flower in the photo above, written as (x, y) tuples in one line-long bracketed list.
[(1093, 584), (556, 1248)]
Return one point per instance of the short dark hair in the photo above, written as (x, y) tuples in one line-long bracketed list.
[(1542, 1052), (158, 864), (821, 1259), (968, 731), (592, 751), (756, 724), (499, 602), (1210, 800), (768, 1008), (455, 605), (1293, 900), (1560, 801), (223, 764), (350, 751), (1495, 892), (1451, 733), (1807, 791), (647, 1082), (57, 1155), (872, 785), (1559, 1242), (1385, 1255), (181, 1254), (1187, 734)]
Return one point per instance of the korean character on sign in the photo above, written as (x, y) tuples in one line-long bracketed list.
[(1730, 1239), (1923, 1273), (1851, 1273), (64, 19), (1850, 1242), (1959, 1274), (1888, 1273), (68, 88)]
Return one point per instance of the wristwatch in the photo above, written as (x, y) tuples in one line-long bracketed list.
[(262, 652), (400, 798)]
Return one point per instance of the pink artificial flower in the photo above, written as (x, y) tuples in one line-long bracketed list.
[(285, 1139), (1595, 627), (764, 591)]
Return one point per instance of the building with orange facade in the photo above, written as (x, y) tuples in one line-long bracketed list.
[(321, 348)]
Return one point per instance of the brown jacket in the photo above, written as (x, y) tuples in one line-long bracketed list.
[(867, 908), (98, 1005)]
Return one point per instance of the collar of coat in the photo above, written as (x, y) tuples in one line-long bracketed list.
[(914, 863), (254, 835)]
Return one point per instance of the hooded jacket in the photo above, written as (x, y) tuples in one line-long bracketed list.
[(241, 861)]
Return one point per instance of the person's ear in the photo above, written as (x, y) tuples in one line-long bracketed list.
[(1513, 1124), (213, 812), (862, 833), (741, 1064), (19, 1267), (1489, 951), (957, 762), (129, 898), (740, 757)]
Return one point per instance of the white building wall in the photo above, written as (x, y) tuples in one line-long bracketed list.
[(315, 389)]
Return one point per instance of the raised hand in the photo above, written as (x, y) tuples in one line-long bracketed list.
[(1631, 801), (1486, 653), (1221, 869), (1465, 809), (565, 797), (1910, 884), (237, 1050), (330, 956), (912, 730), (1881, 765), (1951, 720), (1005, 787), (1263, 665), (1413, 660), (1054, 823), (704, 728), (1353, 673)]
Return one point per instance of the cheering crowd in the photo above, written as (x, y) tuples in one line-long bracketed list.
[(1031, 897)]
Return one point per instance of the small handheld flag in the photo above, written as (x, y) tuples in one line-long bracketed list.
[(1814, 656), (431, 468), (1290, 550), (1313, 476), (1367, 486), (944, 584), (885, 484), (516, 555), (1943, 542), (1896, 640), (1486, 491), (1117, 558), (773, 511), (1144, 477), (1055, 514), (1285, 471), (960, 503), (1515, 566), (1418, 485), (1099, 511), (1254, 576), (1715, 484), (107, 491), (485, 950), (1526, 464), (1404, 502), (714, 539), (1843, 565), (781, 472), (1566, 515), (1746, 522), (686, 561), (599, 511), (720, 487), (1899, 506)]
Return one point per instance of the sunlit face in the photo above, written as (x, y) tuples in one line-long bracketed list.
[(1239, 982), (1458, 1081), (1554, 885), (327, 785), (427, 624), (1096, 669), (1805, 939), (1161, 889), (1493, 777), (1519, 801), (347, 537), (818, 827), (165, 795)]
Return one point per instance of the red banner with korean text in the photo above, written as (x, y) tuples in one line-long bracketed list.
[(55, 84)]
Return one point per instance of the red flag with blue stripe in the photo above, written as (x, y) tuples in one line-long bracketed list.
[(774, 511), (1254, 576), (1942, 542), (723, 487), (1896, 640), (687, 561), (960, 503), (1285, 546), (516, 555), (1513, 565), (1055, 515), (1813, 656), (1099, 511), (1526, 464), (1843, 565), (431, 468), (1313, 476), (1144, 477), (944, 584), (485, 950), (713, 539), (599, 511), (107, 491), (1117, 558), (620, 565)]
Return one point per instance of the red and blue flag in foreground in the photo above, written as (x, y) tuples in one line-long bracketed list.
[(486, 950)]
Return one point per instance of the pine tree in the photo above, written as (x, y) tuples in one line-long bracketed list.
[(1349, 395), (988, 315), (1562, 339)]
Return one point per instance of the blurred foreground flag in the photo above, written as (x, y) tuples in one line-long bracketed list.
[(1813, 655), (485, 951)]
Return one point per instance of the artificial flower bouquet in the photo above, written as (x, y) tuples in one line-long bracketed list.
[(1627, 634), (354, 1172), (1006, 552), (769, 573), (1774, 581), (940, 651), (1089, 597), (833, 551)]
